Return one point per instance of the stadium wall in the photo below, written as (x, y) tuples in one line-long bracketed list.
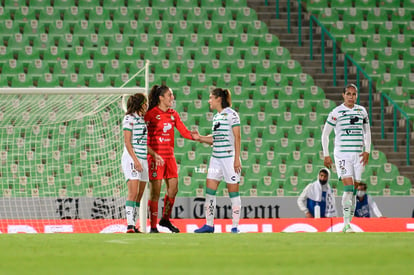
[(184, 208)]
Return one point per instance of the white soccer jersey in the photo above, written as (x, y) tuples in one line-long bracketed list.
[(137, 126), (223, 137), (349, 130)]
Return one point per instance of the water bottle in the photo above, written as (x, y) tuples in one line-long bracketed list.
[(317, 211)]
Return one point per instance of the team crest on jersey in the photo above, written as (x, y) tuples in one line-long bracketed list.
[(154, 174), (172, 118)]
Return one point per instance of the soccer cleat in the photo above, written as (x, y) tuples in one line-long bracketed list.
[(205, 229), (235, 230), (136, 230), (130, 229), (169, 225), (154, 230), (348, 229)]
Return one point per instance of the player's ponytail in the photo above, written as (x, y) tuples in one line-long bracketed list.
[(225, 96), (154, 95), (135, 103)]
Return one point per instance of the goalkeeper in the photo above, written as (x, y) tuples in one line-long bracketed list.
[(161, 120)]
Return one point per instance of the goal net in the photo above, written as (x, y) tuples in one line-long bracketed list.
[(60, 155)]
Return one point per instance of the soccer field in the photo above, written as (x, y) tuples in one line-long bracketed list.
[(252, 253)]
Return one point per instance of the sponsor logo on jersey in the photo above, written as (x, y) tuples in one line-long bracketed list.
[(158, 117), (172, 118), (167, 126)]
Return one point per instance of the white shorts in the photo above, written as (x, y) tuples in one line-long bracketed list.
[(223, 168), (349, 165), (129, 170)]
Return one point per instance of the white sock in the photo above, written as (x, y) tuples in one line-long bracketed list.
[(210, 208), (347, 207), (236, 209), (129, 211)]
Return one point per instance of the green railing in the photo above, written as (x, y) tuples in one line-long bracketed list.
[(324, 31), (396, 110)]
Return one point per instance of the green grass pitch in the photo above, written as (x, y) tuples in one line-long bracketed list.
[(250, 253)]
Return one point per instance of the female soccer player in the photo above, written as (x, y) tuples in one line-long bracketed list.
[(134, 158), (161, 120), (352, 147), (225, 160)]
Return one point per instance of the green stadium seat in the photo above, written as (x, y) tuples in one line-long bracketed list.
[(352, 16), (389, 30), (266, 69), (108, 29), (84, 29), (22, 81), (314, 94), (218, 41), (386, 84), (402, 43), (389, 6), (32, 29), (71, 14), (99, 80), (158, 29), (328, 17), (316, 7), (98, 15), (377, 16), (104, 55), (148, 14), (375, 69), (113, 5), (291, 68), (207, 29), (37, 68), (401, 17), (195, 15), (365, 5), (268, 42), (255, 55), (182, 29), (221, 14), (363, 56), (232, 28), (303, 82), (400, 68), (340, 30), (401, 186), (48, 80), (18, 42), (12, 68), (23, 14), (244, 41), (123, 15), (326, 107), (257, 29), (351, 44)]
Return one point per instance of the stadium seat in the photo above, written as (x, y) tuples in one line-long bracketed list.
[(314, 94), (316, 7), (401, 186), (196, 15), (352, 16), (257, 29), (340, 30), (291, 68), (351, 44), (328, 17), (375, 69)]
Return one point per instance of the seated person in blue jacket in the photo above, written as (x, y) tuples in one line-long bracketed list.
[(318, 193), (365, 206)]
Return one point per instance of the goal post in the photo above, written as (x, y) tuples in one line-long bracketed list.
[(60, 156)]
